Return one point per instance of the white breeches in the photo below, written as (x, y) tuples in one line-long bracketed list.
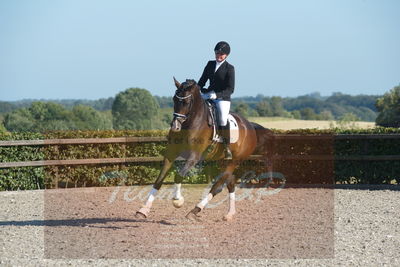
[(223, 111)]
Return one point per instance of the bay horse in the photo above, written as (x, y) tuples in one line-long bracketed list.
[(191, 134)]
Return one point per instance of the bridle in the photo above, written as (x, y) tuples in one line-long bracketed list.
[(183, 117)]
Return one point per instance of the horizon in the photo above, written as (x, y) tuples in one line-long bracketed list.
[(154, 95)]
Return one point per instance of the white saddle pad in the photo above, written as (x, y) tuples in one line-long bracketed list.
[(233, 128)]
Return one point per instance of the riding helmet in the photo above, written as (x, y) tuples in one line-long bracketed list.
[(222, 48)]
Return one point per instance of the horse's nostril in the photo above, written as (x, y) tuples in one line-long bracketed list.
[(175, 125)]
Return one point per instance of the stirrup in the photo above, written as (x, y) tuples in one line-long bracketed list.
[(228, 153)]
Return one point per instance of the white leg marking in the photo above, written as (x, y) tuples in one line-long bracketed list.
[(151, 197), (145, 210), (178, 194), (232, 210), (204, 202), (178, 199)]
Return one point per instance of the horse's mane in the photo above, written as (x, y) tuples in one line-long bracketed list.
[(188, 84)]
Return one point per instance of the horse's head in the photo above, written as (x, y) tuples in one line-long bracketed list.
[(183, 102)]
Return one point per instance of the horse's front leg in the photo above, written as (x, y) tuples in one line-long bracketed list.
[(144, 211), (178, 199)]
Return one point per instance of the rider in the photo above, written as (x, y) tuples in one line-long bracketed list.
[(222, 83)]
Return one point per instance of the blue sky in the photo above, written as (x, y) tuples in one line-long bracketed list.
[(57, 49)]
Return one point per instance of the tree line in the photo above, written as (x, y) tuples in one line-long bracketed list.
[(136, 108), (308, 107)]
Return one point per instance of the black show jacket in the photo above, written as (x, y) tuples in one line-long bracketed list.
[(222, 82)]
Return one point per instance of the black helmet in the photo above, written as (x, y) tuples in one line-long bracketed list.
[(222, 48)]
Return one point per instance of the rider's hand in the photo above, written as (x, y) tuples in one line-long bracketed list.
[(212, 95)]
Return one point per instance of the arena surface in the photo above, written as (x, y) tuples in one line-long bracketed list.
[(290, 226)]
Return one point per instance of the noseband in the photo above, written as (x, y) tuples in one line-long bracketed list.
[(181, 98)]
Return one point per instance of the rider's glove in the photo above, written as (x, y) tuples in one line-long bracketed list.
[(212, 95)]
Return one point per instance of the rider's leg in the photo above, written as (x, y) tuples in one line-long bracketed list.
[(223, 112)]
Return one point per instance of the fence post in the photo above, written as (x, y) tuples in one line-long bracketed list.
[(56, 170), (270, 153)]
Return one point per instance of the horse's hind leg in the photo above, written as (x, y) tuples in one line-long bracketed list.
[(231, 188), (215, 189)]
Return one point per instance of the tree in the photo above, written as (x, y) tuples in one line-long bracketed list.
[(277, 106), (103, 104), (296, 114), (47, 111), (308, 114), (6, 107), (264, 108), (135, 109), (2, 128), (47, 116), (19, 120), (388, 107), (242, 109), (87, 118), (326, 115), (164, 101), (347, 121)]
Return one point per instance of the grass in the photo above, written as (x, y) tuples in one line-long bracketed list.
[(269, 119), (290, 124)]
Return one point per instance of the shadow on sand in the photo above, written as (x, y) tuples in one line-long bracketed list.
[(84, 222)]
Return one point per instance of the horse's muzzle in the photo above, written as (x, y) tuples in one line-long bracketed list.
[(176, 125)]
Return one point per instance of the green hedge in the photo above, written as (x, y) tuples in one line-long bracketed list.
[(78, 175), (339, 171), (370, 172), (105, 174), (26, 177)]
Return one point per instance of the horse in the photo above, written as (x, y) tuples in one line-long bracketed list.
[(192, 134)]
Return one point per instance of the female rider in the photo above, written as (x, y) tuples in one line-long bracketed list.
[(221, 75)]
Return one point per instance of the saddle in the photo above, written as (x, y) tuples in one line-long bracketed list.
[(212, 114), (212, 120)]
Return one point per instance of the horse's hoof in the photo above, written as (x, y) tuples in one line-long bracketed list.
[(178, 203), (143, 213), (140, 215), (228, 217), (192, 215)]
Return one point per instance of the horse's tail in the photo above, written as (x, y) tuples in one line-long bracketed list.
[(263, 134)]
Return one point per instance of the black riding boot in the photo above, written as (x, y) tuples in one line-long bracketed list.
[(226, 140)]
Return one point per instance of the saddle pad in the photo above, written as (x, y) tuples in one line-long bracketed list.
[(233, 128)]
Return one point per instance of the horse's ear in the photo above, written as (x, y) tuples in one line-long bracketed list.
[(177, 84)]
